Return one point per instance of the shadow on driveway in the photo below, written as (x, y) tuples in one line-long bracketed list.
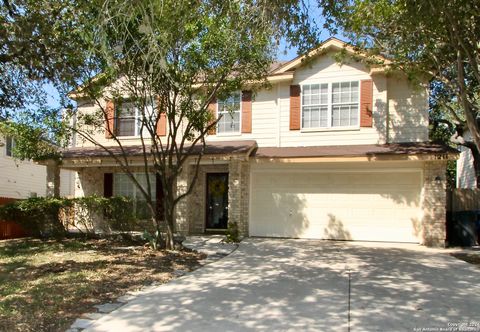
[(278, 284)]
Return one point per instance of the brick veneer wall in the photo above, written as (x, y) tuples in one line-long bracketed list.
[(191, 212), (434, 203), (238, 193)]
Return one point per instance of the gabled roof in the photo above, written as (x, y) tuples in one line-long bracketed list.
[(284, 70), (331, 44)]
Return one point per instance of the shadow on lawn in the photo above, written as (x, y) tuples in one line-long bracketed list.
[(50, 296)]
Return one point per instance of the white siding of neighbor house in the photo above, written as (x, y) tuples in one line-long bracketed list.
[(22, 179), (465, 170), (394, 98)]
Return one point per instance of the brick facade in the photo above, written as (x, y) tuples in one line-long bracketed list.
[(434, 204), (191, 211)]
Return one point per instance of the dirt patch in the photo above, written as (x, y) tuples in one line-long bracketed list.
[(469, 258), (46, 285)]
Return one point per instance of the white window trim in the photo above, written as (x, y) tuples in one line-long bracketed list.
[(232, 133), (330, 108), (11, 148), (137, 129)]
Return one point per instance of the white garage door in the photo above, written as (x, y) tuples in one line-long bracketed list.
[(371, 205)]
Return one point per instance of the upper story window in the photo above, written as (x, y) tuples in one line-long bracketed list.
[(127, 120), (330, 105), (229, 109), (9, 146)]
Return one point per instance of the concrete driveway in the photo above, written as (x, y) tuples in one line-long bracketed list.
[(302, 285)]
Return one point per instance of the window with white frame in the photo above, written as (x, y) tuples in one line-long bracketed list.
[(127, 119), (124, 186), (229, 110), (9, 146), (328, 105)]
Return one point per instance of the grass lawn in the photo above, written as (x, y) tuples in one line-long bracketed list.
[(46, 285)]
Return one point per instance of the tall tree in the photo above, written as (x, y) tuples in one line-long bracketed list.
[(42, 41), (426, 39), (169, 60)]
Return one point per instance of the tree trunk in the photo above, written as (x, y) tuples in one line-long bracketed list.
[(169, 223), (169, 215)]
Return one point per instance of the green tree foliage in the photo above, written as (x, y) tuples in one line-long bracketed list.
[(438, 40), (172, 58), (42, 41)]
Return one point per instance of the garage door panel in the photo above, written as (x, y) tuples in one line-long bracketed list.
[(377, 206)]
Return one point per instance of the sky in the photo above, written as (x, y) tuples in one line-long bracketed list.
[(284, 54)]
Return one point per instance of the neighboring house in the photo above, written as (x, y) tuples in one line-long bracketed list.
[(328, 152), (23, 179), (466, 178)]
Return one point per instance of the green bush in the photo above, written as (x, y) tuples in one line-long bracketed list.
[(106, 214), (46, 217), (39, 216), (232, 234)]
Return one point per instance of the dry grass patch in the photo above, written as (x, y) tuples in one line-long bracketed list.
[(46, 285)]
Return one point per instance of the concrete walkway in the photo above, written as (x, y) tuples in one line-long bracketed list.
[(300, 285)]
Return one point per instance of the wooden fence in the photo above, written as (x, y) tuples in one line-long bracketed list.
[(463, 200), (10, 229)]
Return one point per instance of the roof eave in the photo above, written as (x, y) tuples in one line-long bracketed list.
[(329, 44)]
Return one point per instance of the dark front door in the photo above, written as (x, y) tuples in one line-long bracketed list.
[(217, 201)]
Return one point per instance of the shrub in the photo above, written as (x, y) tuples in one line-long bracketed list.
[(232, 234), (38, 215), (94, 213), (45, 217)]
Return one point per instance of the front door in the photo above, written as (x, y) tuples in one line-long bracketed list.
[(217, 201)]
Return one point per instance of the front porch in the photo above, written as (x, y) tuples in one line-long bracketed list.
[(196, 213), (219, 197)]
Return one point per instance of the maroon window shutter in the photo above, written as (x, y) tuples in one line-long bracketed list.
[(366, 103), (212, 108), (246, 111), (295, 107), (110, 119), (162, 120), (107, 184), (162, 125)]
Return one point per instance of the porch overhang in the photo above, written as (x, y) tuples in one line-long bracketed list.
[(371, 152), (78, 157)]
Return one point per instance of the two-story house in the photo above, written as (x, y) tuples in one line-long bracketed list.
[(329, 151)]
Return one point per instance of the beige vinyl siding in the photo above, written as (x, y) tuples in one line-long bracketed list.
[(264, 120), (405, 105), (324, 70), (350, 201), (408, 110)]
